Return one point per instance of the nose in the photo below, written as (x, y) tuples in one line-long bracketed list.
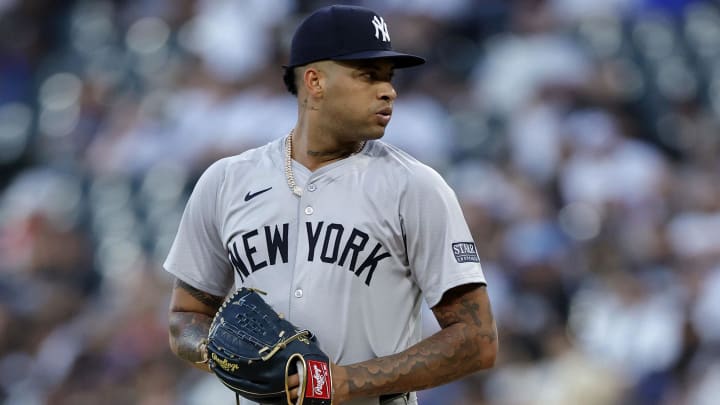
[(387, 92)]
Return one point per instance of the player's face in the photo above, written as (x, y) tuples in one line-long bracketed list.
[(358, 97)]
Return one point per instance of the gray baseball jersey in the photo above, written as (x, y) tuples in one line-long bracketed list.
[(350, 260)]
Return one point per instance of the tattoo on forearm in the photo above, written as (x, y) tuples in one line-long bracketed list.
[(207, 299), (468, 332), (187, 329)]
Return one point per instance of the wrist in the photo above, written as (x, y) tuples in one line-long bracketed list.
[(339, 394)]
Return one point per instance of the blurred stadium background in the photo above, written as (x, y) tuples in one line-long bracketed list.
[(582, 137)]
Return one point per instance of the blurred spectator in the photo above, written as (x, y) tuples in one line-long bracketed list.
[(581, 137)]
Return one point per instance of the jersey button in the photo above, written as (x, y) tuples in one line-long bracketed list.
[(298, 293), (312, 187), (309, 210)]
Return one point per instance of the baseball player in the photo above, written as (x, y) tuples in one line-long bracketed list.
[(346, 234)]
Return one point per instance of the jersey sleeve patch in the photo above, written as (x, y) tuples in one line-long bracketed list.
[(465, 252)]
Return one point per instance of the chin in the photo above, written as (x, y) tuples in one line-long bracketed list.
[(377, 133)]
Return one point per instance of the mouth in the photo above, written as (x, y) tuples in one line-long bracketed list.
[(384, 115)]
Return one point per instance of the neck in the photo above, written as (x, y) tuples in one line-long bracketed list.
[(316, 152)]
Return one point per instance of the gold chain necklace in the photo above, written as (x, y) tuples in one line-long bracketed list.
[(288, 164)]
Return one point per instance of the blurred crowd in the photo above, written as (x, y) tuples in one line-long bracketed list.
[(582, 138)]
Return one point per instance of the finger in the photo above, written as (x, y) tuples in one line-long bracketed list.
[(293, 381), (293, 394), (293, 384)]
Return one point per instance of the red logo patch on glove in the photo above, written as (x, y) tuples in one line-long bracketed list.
[(318, 382)]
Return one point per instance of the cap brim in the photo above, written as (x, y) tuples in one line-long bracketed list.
[(401, 60)]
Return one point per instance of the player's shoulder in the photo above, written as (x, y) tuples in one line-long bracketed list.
[(397, 162), (252, 159), (260, 155)]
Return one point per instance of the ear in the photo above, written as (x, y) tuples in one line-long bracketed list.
[(314, 81)]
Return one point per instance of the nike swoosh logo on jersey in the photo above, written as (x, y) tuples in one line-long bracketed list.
[(249, 196)]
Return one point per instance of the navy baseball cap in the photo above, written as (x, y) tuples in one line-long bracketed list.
[(345, 33)]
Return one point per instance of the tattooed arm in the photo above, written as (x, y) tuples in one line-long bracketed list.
[(191, 312), (466, 343)]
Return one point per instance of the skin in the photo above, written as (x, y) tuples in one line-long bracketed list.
[(332, 97), (466, 343), (335, 96), (191, 312)]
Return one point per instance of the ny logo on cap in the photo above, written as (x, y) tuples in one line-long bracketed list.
[(381, 28)]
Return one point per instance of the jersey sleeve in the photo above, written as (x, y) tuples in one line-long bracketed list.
[(197, 256), (440, 248)]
